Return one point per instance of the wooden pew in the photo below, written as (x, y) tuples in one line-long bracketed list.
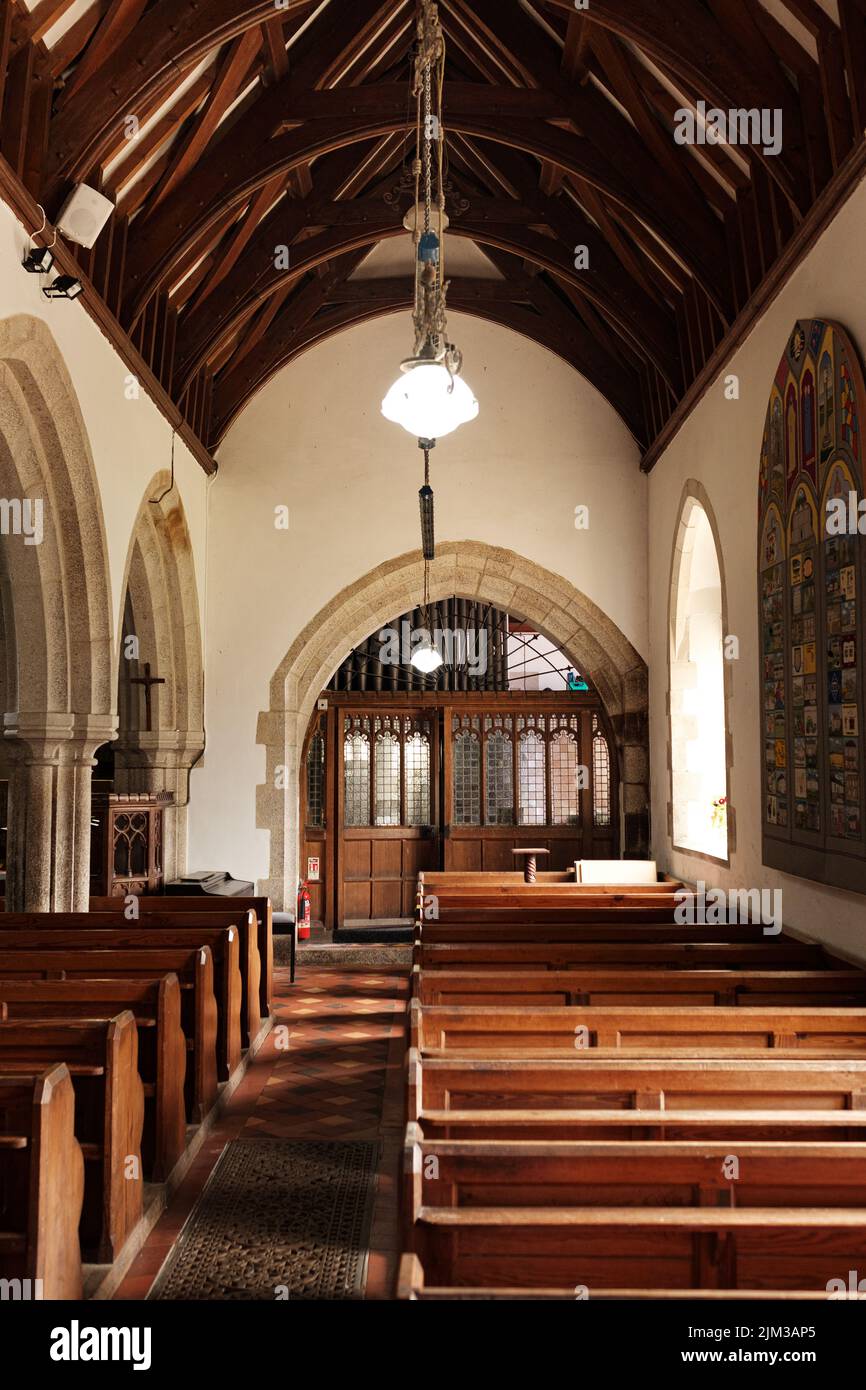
[(552, 1032), (687, 955), (413, 1287), (41, 1182), (484, 880), (241, 921), (156, 1005), (102, 1057), (100, 969), (67, 931), (573, 913), (608, 986), (584, 1097), (646, 1247), (519, 1177), (264, 918), (553, 933)]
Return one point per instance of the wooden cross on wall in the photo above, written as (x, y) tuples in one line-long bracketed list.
[(148, 681)]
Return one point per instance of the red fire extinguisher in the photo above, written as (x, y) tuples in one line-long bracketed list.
[(304, 912)]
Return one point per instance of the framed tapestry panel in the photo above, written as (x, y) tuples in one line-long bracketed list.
[(811, 557)]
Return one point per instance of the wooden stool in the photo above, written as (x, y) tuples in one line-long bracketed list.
[(529, 857)]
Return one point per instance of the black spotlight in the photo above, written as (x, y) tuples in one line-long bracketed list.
[(39, 260), (64, 287)]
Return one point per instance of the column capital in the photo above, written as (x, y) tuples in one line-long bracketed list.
[(57, 738)]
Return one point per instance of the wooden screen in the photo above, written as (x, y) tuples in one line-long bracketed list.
[(386, 783), (810, 585), (523, 775), (388, 788)]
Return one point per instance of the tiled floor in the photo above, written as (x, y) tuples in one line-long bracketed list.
[(341, 1077)]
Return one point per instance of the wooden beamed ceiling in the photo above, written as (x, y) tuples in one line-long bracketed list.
[(229, 129)]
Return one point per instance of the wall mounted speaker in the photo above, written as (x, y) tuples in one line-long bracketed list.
[(84, 214)]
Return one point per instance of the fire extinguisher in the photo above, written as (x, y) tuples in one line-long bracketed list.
[(304, 911)]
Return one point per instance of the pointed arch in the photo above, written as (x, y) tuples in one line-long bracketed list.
[(469, 569), (57, 623), (160, 611)]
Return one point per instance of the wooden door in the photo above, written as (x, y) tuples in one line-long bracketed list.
[(387, 811)]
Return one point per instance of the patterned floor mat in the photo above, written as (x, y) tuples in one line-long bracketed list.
[(278, 1219)]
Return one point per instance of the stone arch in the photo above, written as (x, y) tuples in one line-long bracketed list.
[(57, 623), (695, 500), (469, 569), (160, 608)]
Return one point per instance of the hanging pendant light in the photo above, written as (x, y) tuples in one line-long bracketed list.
[(430, 399), (426, 657)]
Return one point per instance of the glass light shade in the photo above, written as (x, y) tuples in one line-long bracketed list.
[(426, 659), (429, 402)]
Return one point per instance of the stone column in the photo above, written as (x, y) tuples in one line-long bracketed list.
[(48, 842), (156, 762)]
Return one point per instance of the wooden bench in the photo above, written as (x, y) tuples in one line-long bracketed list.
[(688, 955), (564, 933), (552, 1032), (485, 881), (102, 1057), (42, 1183), (242, 922), (63, 934), (584, 1097), (101, 969), (413, 1287), (645, 1247), (517, 1178), (264, 917), (607, 986), (566, 913), (156, 1005)]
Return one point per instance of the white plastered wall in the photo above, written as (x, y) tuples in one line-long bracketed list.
[(719, 446), (314, 440)]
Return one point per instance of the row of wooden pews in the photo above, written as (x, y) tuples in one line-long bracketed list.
[(118, 1037), (605, 1103)]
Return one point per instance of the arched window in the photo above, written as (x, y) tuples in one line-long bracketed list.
[(356, 772), (416, 760), (387, 774), (467, 771), (499, 808), (531, 766), (316, 780), (699, 787), (565, 775), (600, 776), (810, 578)]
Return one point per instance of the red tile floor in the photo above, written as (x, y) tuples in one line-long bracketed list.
[(342, 1077)]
